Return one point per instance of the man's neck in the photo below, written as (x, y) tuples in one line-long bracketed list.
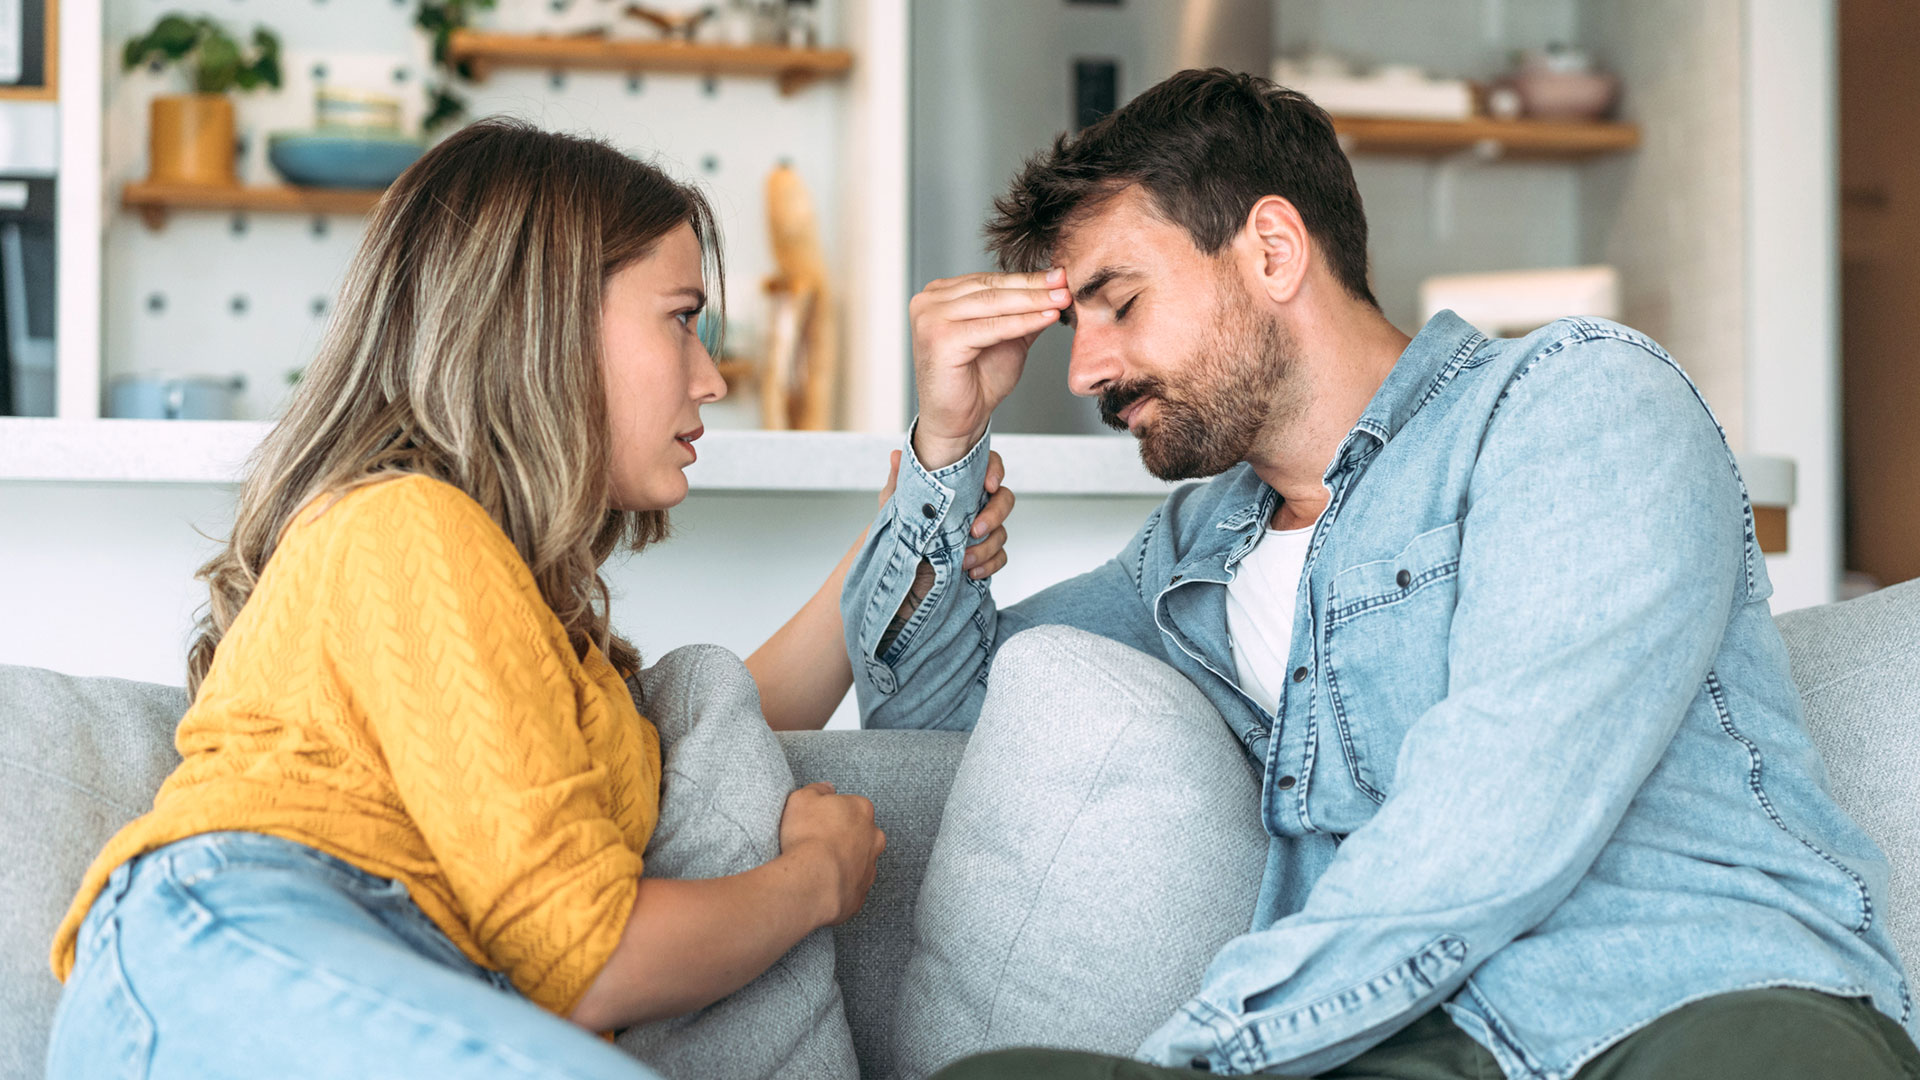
[(1343, 356)]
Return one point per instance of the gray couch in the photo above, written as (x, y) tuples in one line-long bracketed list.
[(79, 756)]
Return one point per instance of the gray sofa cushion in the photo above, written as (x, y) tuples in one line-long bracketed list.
[(906, 774), (1101, 842), (724, 784), (1858, 667), (78, 759)]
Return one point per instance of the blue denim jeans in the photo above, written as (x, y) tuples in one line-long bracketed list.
[(234, 954)]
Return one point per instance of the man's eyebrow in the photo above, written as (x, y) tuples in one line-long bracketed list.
[(1098, 280)]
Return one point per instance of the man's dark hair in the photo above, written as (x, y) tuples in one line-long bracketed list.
[(1205, 146)]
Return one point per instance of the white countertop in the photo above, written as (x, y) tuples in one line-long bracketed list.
[(213, 452)]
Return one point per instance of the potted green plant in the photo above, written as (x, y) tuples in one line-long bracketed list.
[(441, 19), (190, 138)]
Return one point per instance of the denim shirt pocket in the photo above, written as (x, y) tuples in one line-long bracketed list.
[(1386, 649)]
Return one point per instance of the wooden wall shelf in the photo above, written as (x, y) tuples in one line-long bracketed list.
[(1496, 138), (791, 69), (154, 201)]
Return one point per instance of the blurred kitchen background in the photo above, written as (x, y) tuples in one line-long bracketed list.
[(1734, 177)]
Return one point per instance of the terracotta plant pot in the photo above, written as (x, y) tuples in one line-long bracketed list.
[(190, 140)]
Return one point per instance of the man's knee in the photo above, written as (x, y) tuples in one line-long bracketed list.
[(1772, 1034)]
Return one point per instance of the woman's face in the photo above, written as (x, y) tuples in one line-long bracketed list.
[(657, 372)]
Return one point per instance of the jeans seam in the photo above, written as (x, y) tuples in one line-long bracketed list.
[(117, 971)]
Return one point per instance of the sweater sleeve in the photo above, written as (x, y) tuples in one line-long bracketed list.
[(469, 686)]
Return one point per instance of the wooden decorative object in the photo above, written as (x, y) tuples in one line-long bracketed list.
[(800, 375)]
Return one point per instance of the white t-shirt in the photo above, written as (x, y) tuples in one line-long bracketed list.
[(1260, 604)]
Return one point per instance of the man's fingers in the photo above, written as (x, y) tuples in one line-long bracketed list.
[(985, 303), (996, 471), (947, 288), (986, 333)]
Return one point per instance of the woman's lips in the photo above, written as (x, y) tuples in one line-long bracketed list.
[(685, 439)]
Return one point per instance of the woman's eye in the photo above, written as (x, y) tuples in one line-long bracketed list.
[(687, 318)]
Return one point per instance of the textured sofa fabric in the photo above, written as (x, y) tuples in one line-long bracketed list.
[(1858, 668), (724, 784), (1102, 841), (906, 774), (79, 757)]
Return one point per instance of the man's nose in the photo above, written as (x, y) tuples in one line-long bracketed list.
[(1092, 363)]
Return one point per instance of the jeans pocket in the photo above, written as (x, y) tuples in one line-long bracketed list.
[(101, 1029)]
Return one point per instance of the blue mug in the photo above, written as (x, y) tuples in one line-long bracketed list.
[(162, 397)]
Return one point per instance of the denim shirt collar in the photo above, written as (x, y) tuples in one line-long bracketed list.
[(1442, 347)]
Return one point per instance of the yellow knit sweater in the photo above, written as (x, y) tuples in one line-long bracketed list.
[(396, 693)]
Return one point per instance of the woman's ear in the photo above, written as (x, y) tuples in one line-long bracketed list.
[(1277, 247)]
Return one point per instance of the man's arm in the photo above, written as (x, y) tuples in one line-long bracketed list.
[(1602, 553), (921, 633), (802, 670)]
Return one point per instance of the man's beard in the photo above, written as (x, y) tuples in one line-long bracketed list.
[(1228, 391)]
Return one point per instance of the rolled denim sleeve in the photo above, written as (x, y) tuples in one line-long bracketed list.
[(949, 634), (933, 673), (1604, 543)]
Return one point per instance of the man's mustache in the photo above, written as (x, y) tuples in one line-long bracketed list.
[(1115, 399)]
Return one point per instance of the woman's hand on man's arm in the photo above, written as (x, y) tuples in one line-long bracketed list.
[(802, 670)]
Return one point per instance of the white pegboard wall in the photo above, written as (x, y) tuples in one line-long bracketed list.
[(220, 293)]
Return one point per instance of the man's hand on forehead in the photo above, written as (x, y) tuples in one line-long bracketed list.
[(970, 340)]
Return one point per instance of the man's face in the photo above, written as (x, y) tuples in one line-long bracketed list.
[(1175, 343)]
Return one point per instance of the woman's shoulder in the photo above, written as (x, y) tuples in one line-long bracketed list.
[(403, 513)]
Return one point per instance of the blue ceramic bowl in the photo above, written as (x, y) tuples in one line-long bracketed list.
[(342, 159)]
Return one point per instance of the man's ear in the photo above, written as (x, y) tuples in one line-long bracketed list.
[(1276, 248)]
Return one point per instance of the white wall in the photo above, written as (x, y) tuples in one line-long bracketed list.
[(1792, 280), (99, 577)]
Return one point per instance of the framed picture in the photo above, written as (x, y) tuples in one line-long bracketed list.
[(29, 50)]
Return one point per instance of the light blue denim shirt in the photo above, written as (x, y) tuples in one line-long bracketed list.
[(1540, 758)]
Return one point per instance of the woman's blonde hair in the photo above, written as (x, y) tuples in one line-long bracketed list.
[(466, 347)]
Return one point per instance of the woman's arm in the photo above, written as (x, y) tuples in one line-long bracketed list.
[(803, 671), (687, 944)]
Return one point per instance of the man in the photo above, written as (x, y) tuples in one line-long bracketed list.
[(1489, 614)]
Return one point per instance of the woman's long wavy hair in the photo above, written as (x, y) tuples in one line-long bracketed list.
[(466, 347)]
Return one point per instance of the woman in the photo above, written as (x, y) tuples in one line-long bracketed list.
[(406, 835)]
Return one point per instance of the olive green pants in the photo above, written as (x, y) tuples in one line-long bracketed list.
[(1750, 1035)]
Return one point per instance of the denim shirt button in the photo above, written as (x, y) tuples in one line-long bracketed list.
[(1285, 783), (1403, 579), (927, 511), (1300, 674), (1200, 1064)]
